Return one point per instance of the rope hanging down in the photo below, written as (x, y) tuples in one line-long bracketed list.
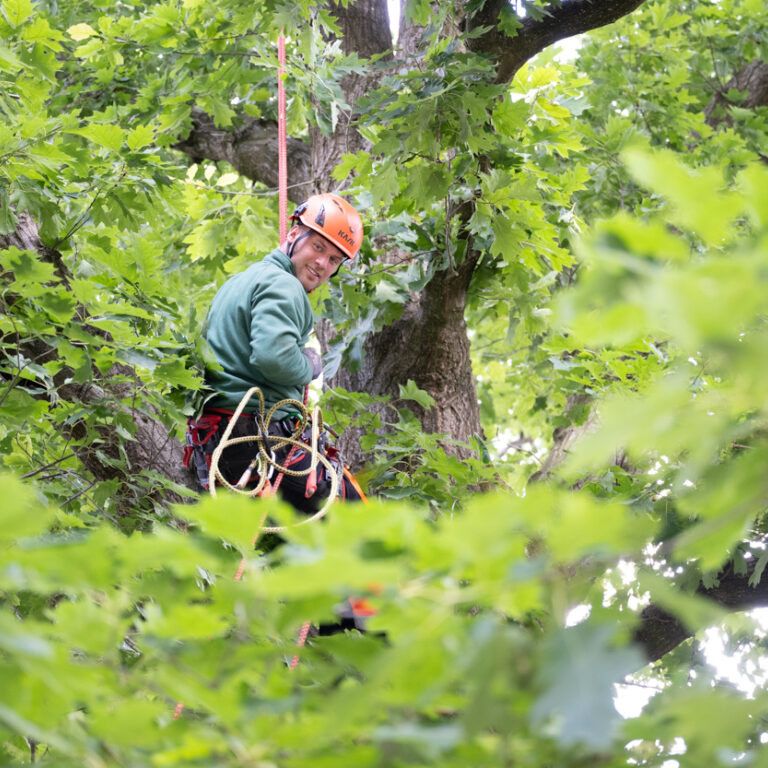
[(264, 459), (282, 150), (267, 444)]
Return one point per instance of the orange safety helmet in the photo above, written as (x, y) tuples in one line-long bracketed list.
[(335, 219)]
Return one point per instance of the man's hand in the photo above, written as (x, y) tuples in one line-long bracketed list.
[(314, 360)]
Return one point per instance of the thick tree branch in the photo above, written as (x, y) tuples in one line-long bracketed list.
[(660, 632), (561, 20), (251, 149)]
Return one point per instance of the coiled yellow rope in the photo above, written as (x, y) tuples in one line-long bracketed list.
[(265, 458)]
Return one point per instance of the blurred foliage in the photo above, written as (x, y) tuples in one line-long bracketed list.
[(466, 658), (623, 271)]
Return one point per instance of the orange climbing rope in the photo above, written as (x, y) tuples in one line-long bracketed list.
[(282, 198), (282, 149)]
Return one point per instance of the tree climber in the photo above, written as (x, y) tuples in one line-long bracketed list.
[(257, 328)]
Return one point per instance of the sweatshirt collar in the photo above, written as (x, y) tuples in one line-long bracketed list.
[(280, 258)]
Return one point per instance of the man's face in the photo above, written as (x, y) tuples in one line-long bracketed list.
[(314, 259)]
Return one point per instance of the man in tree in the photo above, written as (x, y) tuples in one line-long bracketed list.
[(257, 328)]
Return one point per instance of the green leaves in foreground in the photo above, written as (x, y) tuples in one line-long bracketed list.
[(466, 660), (695, 301)]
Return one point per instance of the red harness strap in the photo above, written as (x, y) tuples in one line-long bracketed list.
[(200, 431)]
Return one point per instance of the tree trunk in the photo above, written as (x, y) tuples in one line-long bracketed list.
[(752, 80), (429, 345)]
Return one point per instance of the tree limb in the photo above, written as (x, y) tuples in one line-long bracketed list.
[(660, 632), (560, 20), (251, 149)]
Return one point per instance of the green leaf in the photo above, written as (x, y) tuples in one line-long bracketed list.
[(710, 720), (410, 391), (8, 218), (139, 358), (754, 182), (384, 184), (135, 722), (9, 61), (693, 612), (105, 135), (577, 524), (17, 11), (140, 137), (386, 291), (236, 519), (81, 31), (578, 669), (698, 203), (185, 621), (59, 305), (22, 513)]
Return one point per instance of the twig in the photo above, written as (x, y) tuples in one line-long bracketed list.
[(389, 267), (47, 466), (80, 493), (714, 65), (81, 220), (266, 193), (13, 383), (22, 147)]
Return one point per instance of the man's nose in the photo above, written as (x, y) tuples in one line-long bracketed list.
[(322, 260)]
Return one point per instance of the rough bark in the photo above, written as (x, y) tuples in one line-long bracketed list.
[(752, 80), (559, 21), (26, 237), (364, 28), (429, 345), (153, 447)]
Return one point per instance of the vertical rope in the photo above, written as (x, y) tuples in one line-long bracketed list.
[(282, 153), (282, 198), (302, 638)]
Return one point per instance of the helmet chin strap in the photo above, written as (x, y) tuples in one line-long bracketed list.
[(338, 269), (292, 246)]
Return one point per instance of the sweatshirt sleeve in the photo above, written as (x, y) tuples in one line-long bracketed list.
[(277, 337)]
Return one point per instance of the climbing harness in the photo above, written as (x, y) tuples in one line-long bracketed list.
[(264, 462)]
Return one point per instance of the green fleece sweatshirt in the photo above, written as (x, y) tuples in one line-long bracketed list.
[(259, 322)]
